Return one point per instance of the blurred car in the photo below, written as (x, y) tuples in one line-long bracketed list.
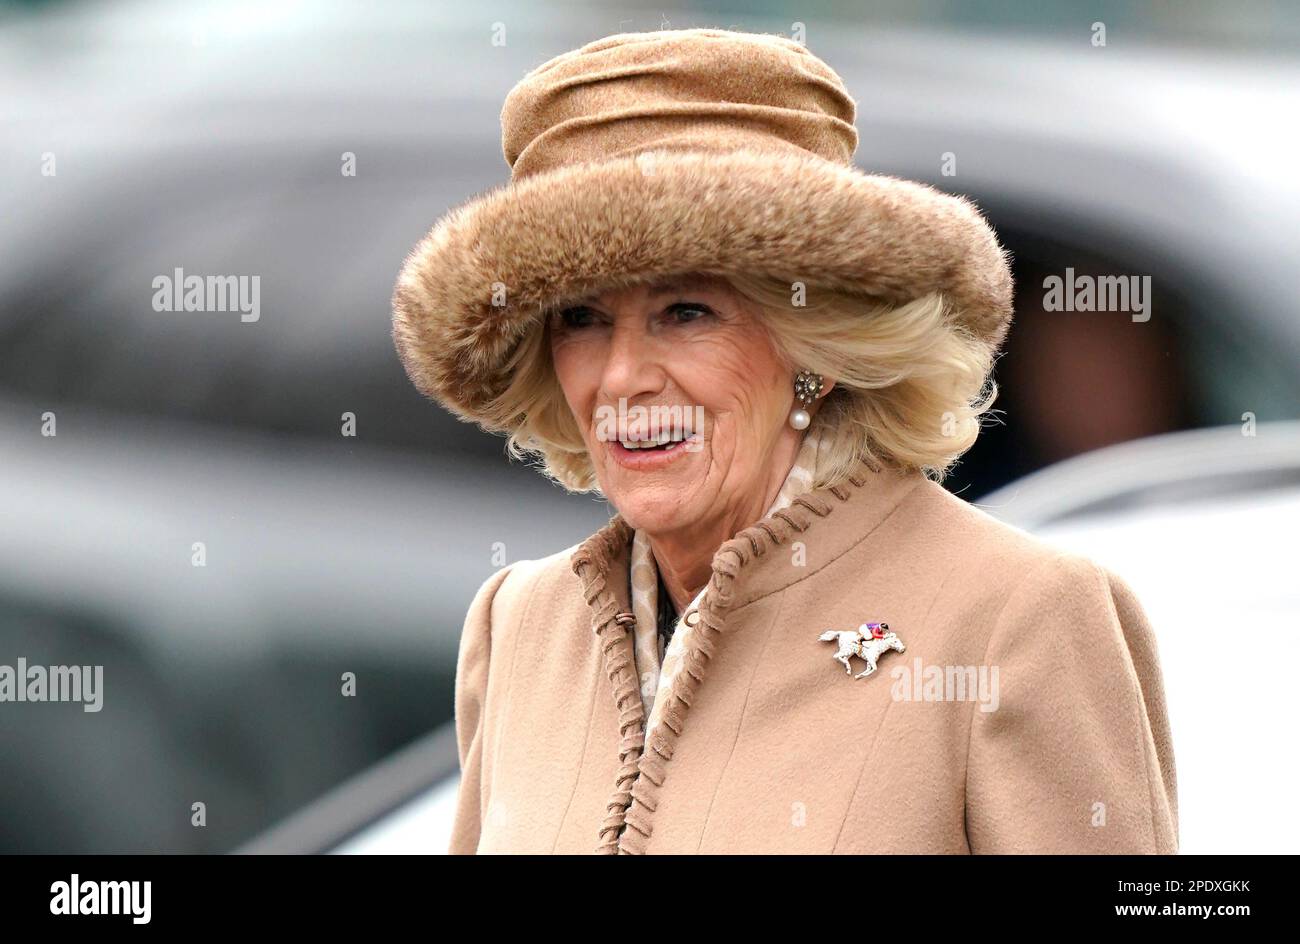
[(1201, 524), (227, 682), (140, 137)]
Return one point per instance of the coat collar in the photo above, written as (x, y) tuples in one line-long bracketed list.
[(827, 521)]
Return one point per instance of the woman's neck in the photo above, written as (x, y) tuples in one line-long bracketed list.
[(685, 556)]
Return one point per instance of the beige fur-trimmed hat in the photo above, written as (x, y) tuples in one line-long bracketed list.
[(643, 155)]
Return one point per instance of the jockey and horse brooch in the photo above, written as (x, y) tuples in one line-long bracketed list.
[(868, 642)]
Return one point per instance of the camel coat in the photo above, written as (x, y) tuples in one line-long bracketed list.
[(770, 746)]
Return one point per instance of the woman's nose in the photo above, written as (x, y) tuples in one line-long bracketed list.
[(632, 363)]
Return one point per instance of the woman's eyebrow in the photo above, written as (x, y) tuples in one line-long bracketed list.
[(667, 285), (679, 285)]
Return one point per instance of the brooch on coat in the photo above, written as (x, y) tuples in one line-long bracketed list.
[(868, 642)]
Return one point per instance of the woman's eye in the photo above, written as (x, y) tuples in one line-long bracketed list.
[(686, 312), (577, 317)]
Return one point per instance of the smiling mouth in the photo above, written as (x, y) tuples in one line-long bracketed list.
[(662, 442), (644, 455)]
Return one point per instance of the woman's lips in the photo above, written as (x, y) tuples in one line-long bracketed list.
[(645, 460)]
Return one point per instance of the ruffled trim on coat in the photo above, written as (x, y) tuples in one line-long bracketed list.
[(643, 766)]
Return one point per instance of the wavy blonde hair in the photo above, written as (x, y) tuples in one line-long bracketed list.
[(911, 385)]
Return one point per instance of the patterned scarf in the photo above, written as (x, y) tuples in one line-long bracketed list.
[(655, 665)]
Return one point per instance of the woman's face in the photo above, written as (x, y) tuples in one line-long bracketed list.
[(695, 344)]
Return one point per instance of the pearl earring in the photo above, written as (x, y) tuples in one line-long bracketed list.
[(807, 388)]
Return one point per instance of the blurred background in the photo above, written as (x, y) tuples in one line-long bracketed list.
[(143, 136)]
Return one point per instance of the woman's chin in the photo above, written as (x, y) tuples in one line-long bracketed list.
[(653, 510)]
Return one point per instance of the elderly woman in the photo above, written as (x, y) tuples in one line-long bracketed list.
[(789, 638)]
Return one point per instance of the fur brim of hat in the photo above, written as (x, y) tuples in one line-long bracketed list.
[(564, 234)]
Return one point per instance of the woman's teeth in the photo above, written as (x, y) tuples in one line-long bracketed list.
[(665, 439)]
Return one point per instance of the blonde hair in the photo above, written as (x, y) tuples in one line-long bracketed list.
[(911, 385)]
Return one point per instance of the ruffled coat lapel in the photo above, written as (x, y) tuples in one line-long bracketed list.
[(742, 570)]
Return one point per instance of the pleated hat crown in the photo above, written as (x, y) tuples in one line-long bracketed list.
[(695, 90)]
